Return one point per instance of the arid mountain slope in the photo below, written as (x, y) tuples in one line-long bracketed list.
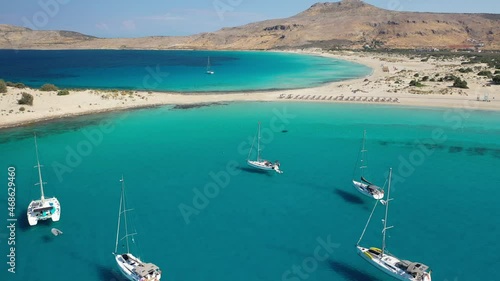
[(345, 24)]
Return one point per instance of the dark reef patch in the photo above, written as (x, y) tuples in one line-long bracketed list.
[(197, 105)]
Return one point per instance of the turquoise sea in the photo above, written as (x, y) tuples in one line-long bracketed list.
[(182, 71), (258, 226)]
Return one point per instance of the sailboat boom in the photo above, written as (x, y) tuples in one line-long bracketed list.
[(126, 236)]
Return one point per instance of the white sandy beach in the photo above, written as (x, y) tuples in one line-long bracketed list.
[(381, 87)]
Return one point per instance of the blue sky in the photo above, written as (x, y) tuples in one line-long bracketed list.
[(126, 18)]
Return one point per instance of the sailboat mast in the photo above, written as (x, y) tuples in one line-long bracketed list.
[(119, 217), (125, 215), (363, 150), (39, 171), (258, 145), (386, 212), (208, 64)]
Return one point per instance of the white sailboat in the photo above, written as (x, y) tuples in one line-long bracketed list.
[(260, 163), (386, 262), (364, 186), (130, 266), (44, 208), (209, 71)]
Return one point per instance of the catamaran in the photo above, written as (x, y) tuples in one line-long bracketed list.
[(209, 71), (364, 186), (260, 163), (130, 266), (386, 262), (44, 208)]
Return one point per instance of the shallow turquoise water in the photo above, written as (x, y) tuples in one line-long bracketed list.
[(174, 70), (259, 226)]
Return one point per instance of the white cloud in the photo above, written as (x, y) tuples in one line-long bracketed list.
[(102, 26), (129, 25), (165, 17)]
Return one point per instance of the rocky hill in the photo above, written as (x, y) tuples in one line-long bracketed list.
[(344, 24)]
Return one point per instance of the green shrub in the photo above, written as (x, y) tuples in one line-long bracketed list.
[(26, 99), (63, 93), (459, 83), (22, 108), (19, 85), (486, 73), (416, 75), (3, 87), (450, 77), (433, 80), (497, 72), (465, 70), (415, 83), (425, 78), (48, 87), (496, 80), (16, 85)]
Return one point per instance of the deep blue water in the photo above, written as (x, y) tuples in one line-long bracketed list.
[(257, 226), (173, 70)]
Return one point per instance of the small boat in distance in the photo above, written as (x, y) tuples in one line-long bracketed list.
[(363, 186), (380, 258), (260, 163), (130, 266), (209, 71), (44, 208)]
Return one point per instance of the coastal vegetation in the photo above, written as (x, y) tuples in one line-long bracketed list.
[(496, 80), (63, 92), (459, 83), (48, 87), (485, 73), (3, 87), (26, 99), (465, 70), (15, 85), (416, 83)]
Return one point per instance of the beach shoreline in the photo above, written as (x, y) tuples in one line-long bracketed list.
[(387, 84)]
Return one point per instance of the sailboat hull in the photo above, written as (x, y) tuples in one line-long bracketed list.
[(48, 209), (264, 165), (127, 268), (209, 71), (387, 264), (363, 189)]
